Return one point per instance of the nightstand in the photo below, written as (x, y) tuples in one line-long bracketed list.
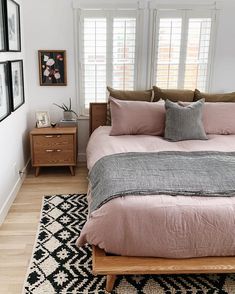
[(54, 147)]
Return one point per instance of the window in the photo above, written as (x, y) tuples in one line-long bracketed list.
[(133, 48), (182, 51), (107, 53)]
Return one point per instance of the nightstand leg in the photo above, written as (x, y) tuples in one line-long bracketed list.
[(37, 171), (72, 170)]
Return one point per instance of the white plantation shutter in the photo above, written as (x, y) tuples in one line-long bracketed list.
[(107, 54), (168, 52), (94, 62), (197, 55), (123, 73), (138, 45), (182, 49)]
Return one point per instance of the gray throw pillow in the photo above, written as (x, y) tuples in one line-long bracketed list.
[(184, 122)]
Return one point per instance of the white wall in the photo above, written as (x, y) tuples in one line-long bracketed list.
[(49, 25), (14, 147), (223, 78)]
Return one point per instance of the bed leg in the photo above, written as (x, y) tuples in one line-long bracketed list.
[(110, 280)]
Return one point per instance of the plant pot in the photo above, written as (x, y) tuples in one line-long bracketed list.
[(68, 115)]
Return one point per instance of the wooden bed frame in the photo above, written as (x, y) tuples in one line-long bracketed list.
[(113, 265)]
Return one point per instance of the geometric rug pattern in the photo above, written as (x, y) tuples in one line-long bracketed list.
[(59, 267)]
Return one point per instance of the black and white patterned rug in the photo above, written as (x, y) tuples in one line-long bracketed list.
[(59, 267)]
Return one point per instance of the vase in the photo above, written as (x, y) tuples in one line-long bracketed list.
[(68, 115)]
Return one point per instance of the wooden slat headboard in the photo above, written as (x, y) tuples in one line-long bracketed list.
[(98, 115)]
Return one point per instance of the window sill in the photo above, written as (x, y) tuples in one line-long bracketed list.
[(83, 117)]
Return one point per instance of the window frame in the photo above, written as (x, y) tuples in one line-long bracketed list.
[(109, 15), (185, 14), (146, 27)]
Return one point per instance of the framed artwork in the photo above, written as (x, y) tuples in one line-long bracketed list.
[(52, 67), (13, 26), (3, 43), (42, 119), (17, 83), (4, 91)]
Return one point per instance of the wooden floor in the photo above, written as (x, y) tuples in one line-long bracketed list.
[(17, 234)]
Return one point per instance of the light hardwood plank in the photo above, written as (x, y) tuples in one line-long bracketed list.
[(17, 233)]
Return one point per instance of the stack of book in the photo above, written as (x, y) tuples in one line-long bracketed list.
[(68, 123)]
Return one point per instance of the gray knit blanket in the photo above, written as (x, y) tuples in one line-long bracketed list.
[(170, 173)]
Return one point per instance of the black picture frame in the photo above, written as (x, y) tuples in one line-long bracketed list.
[(12, 11), (3, 27), (5, 104), (16, 74), (52, 67)]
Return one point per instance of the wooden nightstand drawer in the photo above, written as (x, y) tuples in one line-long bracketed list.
[(54, 157), (54, 147), (41, 142)]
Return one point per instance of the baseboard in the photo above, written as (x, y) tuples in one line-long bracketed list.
[(11, 197), (82, 157)]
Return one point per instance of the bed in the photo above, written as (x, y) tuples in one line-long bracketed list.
[(182, 246)]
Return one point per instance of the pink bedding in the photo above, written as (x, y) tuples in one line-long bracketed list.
[(161, 226)]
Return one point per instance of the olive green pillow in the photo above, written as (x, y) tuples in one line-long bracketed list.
[(145, 95), (223, 97), (174, 95)]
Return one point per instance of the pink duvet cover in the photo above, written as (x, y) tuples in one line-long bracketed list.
[(160, 226)]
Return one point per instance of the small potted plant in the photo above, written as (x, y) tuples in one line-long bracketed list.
[(68, 112)]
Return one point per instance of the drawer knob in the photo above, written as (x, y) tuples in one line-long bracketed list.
[(53, 150), (51, 136)]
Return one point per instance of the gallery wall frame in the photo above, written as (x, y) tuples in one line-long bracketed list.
[(12, 25), (5, 96), (52, 67), (11, 72), (16, 76), (3, 27)]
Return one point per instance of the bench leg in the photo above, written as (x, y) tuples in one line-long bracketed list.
[(110, 280)]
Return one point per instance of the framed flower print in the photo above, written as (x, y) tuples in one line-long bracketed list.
[(4, 91), (52, 67), (13, 25), (17, 83)]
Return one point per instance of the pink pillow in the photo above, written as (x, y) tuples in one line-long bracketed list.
[(219, 118), (137, 117)]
